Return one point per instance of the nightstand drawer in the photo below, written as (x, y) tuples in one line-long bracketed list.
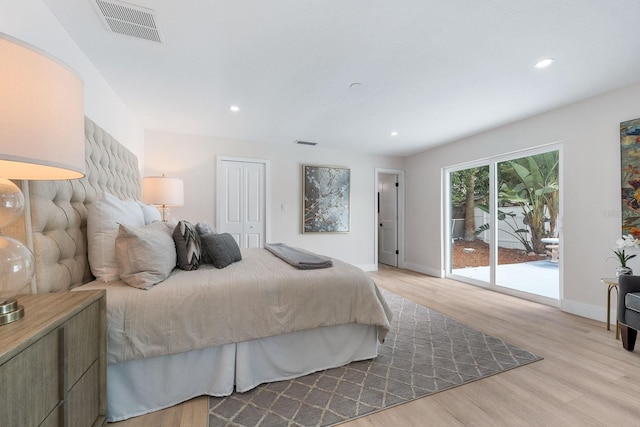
[(83, 399), (37, 368), (54, 419), (53, 362), (82, 348)]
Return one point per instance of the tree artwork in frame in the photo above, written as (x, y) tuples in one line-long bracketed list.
[(326, 199)]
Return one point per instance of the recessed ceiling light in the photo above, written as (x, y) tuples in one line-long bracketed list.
[(394, 133), (234, 108), (544, 63)]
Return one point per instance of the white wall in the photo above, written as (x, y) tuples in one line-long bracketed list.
[(31, 21), (193, 158), (589, 132)]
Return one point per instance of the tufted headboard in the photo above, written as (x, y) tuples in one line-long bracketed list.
[(54, 225)]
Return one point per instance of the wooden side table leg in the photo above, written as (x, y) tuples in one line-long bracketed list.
[(617, 323), (609, 306)]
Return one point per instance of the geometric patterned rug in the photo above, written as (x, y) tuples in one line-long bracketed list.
[(424, 353)]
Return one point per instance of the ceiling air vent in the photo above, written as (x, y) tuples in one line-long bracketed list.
[(127, 19), (306, 143)]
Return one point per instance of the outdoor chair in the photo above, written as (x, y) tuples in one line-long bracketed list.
[(629, 309)]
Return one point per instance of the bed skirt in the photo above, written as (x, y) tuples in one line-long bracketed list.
[(141, 386)]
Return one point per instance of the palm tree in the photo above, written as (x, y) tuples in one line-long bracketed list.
[(532, 183), (467, 186)]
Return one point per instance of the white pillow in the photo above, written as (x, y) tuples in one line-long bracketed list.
[(102, 228), (145, 256), (151, 213)]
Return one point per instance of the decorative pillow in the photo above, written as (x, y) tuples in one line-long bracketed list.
[(150, 212), (187, 243), (145, 255), (204, 228), (105, 213), (222, 248)]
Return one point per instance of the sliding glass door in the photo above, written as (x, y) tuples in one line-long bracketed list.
[(528, 212), (503, 218), (470, 249)]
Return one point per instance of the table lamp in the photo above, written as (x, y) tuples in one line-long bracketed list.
[(162, 191), (42, 138)]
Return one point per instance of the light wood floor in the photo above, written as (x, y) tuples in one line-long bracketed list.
[(585, 379)]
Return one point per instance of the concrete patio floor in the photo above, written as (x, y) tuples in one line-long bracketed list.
[(536, 277)]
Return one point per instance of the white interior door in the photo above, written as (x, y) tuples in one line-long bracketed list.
[(241, 201), (388, 219), (254, 205)]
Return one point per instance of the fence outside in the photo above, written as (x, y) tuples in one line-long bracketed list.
[(505, 240)]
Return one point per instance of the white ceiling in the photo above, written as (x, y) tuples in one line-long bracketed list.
[(432, 70)]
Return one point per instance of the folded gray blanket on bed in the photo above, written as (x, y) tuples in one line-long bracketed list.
[(297, 257)]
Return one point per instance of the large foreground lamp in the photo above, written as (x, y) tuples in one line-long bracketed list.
[(41, 137), (162, 191)]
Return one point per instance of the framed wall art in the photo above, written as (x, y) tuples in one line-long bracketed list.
[(630, 165), (326, 199)]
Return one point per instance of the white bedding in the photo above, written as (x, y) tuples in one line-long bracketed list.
[(258, 297), (141, 386), (178, 340)]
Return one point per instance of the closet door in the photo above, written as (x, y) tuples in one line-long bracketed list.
[(241, 201), (253, 226)]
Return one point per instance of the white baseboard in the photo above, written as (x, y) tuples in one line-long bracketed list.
[(594, 312), (368, 267), (589, 311), (424, 270)]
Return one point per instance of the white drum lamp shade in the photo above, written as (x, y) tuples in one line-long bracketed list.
[(41, 137), (41, 115), (162, 191)]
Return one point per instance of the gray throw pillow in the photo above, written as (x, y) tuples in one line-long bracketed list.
[(188, 248), (145, 255), (203, 228), (222, 248)]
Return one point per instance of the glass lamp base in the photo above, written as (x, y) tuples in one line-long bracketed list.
[(10, 311)]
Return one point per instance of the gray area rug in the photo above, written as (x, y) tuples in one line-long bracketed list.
[(425, 352)]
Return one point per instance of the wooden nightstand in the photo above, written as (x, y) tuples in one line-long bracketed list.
[(53, 361)]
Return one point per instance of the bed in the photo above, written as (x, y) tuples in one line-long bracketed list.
[(208, 331)]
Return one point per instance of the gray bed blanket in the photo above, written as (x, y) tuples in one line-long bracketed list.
[(297, 257)]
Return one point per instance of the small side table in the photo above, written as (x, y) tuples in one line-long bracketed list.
[(612, 283)]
